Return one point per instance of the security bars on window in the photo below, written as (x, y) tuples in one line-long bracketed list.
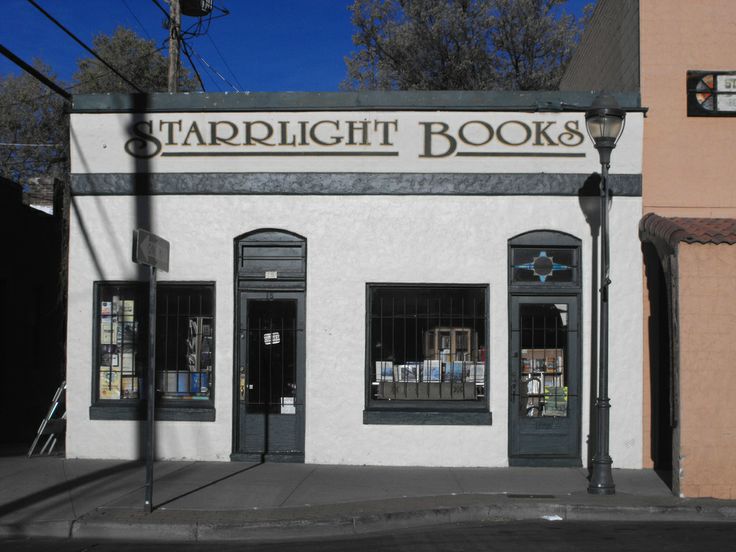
[(427, 343)]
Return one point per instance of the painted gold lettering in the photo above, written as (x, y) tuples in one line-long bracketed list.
[(138, 147), (334, 139), (169, 130), (283, 141), (541, 132), (573, 137), (430, 131), (504, 139), (362, 128), (216, 139), (488, 129), (386, 128), (303, 133), (249, 139), (193, 131)]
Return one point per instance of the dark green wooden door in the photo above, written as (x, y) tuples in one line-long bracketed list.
[(544, 381), (271, 376)]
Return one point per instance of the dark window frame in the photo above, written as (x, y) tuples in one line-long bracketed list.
[(135, 409), (425, 412)]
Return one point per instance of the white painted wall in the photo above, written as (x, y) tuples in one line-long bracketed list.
[(351, 240)]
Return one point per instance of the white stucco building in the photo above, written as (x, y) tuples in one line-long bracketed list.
[(371, 278)]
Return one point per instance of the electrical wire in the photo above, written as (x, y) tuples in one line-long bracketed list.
[(213, 70), (185, 48), (35, 73), (232, 74), (82, 44), (7, 144), (189, 50), (73, 86), (136, 18)]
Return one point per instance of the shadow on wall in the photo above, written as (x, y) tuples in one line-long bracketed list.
[(661, 413), (142, 191)]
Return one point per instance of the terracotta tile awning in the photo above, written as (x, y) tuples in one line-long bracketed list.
[(689, 230)]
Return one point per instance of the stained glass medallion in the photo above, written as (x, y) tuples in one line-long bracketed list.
[(542, 265)]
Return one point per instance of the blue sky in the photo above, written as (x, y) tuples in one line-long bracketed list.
[(262, 46)]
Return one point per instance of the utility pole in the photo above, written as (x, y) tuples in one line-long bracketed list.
[(174, 33)]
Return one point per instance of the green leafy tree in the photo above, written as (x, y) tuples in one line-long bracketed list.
[(140, 60), (460, 44), (34, 127)]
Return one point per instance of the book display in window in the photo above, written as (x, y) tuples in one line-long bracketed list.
[(184, 343), (543, 392), (118, 378), (430, 380), (189, 380), (428, 343)]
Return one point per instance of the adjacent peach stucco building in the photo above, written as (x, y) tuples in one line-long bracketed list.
[(688, 232)]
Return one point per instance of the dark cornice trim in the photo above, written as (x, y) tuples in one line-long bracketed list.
[(472, 184)]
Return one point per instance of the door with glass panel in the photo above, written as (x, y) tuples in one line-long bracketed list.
[(271, 376), (544, 381)]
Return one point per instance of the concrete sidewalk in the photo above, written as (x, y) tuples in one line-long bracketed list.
[(56, 497)]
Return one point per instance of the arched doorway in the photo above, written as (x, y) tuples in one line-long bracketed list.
[(544, 349), (270, 346)]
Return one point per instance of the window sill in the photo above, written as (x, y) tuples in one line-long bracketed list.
[(437, 417), (163, 413)]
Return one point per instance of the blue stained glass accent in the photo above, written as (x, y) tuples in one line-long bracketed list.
[(543, 266)]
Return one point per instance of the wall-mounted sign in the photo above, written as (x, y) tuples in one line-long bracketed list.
[(711, 93), (150, 249), (341, 141)]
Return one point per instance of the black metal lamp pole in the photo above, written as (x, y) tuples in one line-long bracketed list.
[(604, 121)]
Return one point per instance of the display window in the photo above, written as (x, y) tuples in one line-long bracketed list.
[(427, 346), (185, 346)]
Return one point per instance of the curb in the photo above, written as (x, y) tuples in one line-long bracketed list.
[(300, 523), (38, 529)]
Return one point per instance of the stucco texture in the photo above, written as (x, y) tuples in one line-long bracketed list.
[(351, 240), (707, 376), (686, 159)]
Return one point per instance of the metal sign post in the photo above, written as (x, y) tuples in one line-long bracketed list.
[(150, 390), (152, 250)]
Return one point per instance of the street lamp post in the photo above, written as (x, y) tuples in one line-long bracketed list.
[(605, 122)]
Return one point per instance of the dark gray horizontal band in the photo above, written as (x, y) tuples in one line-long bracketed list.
[(532, 101), (403, 417), (137, 412), (475, 184)]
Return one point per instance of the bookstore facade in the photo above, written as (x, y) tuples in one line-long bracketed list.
[(368, 278)]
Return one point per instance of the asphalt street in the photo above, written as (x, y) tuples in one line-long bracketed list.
[(492, 537)]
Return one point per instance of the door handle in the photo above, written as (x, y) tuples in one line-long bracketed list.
[(242, 383)]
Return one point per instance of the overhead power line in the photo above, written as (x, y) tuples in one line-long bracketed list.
[(185, 48), (37, 74), (73, 86), (82, 44), (215, 71), (235, 78), (7, 144), (138, 20)]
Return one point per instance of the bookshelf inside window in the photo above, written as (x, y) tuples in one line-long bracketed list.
[(184, 342)]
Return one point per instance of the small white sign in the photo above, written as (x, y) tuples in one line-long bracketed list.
[(726, 83), (271, 338), (726, 102), (287, 405), (272, 275)]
